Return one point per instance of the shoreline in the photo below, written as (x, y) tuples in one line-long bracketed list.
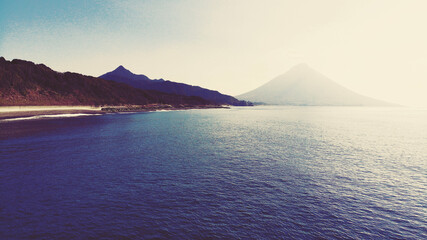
[(12, 112), (16, 112)]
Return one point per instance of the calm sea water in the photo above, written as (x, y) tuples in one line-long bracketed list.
[(250, 173)]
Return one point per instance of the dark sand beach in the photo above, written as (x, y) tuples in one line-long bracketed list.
[(7, 112), (11, 112)]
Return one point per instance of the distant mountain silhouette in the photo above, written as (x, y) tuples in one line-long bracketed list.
[(25, 83), (123, 75), (302, 85)]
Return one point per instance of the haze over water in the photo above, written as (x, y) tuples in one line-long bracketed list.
[(262, 172)]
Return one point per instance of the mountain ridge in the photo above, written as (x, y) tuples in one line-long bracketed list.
[(26, 83), (121, 74)]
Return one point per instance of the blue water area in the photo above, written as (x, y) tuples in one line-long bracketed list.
[(240, 173)]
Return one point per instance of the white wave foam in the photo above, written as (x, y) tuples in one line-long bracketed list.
[(126, 112), (66, 115), (164, 110)]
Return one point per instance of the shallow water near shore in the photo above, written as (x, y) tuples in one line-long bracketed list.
[(246, 172), (65, 115)]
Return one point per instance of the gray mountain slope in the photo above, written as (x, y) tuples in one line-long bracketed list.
[(302, 85)]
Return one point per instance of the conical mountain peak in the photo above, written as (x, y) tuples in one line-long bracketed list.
[(302, 85), (121, 69), (302, 68)]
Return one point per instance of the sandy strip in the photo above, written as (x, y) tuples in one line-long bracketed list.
[(44, 108), (29, 111), (35, 112)]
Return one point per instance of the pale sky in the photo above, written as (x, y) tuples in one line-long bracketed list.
[(374, 47)]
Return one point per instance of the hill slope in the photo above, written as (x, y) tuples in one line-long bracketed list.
[(302, 85), (123, 75), (25, 83)]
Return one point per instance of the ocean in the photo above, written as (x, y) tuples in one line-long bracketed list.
[(264, 172)]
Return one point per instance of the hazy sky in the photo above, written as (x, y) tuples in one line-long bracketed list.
[(376, 48)]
